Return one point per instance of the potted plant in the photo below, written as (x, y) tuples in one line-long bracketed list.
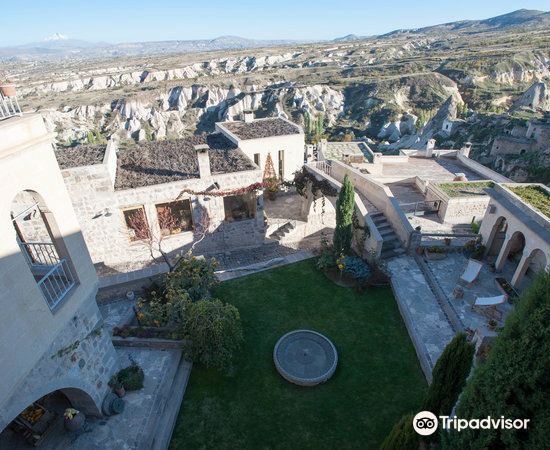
[(272, 188), (436, 252), (73, 419), (492, 324), (116, 385), (6, 86), (447, 241)]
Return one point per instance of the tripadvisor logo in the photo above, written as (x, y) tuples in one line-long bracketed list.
[(425, 423)]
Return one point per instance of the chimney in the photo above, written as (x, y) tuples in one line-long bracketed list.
[(248, 115), (204, 160), (466, 149), (430, 145)]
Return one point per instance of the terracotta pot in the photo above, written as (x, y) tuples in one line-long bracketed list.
[(8, 89), (75, 423), (121, 392)]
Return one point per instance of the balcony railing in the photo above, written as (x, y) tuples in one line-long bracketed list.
[(9, 107), (57, 283), (40, 253), (54, 276)]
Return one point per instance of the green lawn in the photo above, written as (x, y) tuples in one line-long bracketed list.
[(377, 380)]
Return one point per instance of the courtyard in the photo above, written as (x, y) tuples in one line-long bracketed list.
[(378, 377)]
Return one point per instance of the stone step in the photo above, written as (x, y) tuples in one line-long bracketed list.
[(391, 252), (282, 231), (164, 431), (159, 407), (385, 231)]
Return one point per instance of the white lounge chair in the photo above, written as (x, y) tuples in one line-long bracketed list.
[(471, 272), (488, 305), (491, 301)]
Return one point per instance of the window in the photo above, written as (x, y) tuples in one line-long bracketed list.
[(257, 159), (136, 223), (239, 207), (281, 164), (175, 217), (522, 151)]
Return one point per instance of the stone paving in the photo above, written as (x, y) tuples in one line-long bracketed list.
[(447, 273), (129, 430), (428, 326)]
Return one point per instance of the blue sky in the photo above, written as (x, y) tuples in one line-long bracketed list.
[(113, 21)]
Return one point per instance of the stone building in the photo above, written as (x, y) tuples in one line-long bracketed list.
[(52, 340), (131, 200), (276, 137), (516, 234), (534, 138)]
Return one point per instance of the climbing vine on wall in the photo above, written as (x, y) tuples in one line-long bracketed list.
[(239, 191), (362, 237)]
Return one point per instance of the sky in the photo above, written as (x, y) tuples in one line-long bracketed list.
[(114, 21)]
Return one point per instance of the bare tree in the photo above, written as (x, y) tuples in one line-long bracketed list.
[(167, 220)]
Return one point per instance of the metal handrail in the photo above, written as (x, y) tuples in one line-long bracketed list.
[(9, 107), (40, 253), (57, 282)]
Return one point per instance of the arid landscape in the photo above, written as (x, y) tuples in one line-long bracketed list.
[(383, 88)]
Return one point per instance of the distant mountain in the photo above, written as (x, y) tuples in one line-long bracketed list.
[(349, 37), (59, 46), (522, 18), (56, 37)]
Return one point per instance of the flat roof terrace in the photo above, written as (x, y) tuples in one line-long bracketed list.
[(432, 169)]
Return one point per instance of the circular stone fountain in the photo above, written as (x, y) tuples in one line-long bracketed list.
[(305, 357)]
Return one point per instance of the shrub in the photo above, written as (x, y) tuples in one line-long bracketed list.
[(194, 275), (163, 311), (215, 333), (131, 378), (513, 381), (344, 218), (437, 249), (449, 376), (356, 267), (402, 436), (327, 260), (475, 249)]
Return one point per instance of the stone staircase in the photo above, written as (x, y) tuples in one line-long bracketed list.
[(282, 231), (391, 245)]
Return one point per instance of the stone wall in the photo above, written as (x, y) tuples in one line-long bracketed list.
[(99, 210), (81, 357), (457, 210)]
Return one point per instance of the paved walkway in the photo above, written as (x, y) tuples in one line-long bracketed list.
[(428, 327), (447, 273)]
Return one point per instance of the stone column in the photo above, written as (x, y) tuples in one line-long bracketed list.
[(203, 160), (505, 249), (521, 268)]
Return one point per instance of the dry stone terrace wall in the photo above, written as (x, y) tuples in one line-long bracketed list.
[(99, 211), (81, 356)]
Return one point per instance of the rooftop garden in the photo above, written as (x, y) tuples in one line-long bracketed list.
[(535, 196), (465, 189), (377, 380)]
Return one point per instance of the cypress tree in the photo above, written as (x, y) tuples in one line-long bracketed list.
[(449, 376), (344, 218), (514, 381), (402, 436)]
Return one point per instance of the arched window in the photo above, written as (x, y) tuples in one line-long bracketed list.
[(42, 246)]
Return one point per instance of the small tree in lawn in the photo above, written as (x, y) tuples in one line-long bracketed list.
[(449, 376), (344, 218), (215, 333)]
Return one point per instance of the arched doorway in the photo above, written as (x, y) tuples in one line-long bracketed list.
[(511, 255), (497, 237), (39, 421), (42, 246), (526, 272)]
